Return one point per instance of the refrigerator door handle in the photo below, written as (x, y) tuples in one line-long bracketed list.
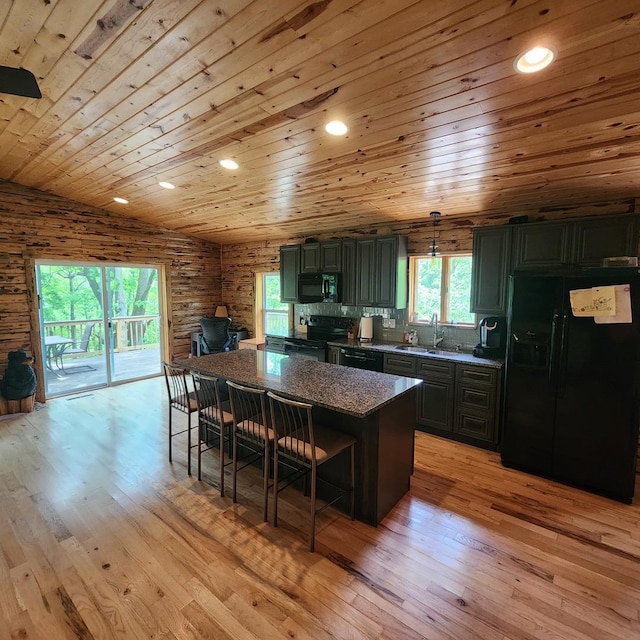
[(552, 347), (562, 382)]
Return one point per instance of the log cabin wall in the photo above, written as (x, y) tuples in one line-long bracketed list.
[(454, 234), (41, 226)]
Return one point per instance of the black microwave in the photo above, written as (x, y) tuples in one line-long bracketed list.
[(318, 287)]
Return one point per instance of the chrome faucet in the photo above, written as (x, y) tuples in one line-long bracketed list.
[(434, 323)]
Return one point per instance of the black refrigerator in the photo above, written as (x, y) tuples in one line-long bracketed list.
[(571, 383)]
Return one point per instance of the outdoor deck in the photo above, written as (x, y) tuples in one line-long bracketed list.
[(90, 371)]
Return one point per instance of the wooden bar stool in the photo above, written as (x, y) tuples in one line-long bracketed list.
[(304, 446)]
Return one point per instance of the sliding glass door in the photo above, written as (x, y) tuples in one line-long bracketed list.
[(99, 324)]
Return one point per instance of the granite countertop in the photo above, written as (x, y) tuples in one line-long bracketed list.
[(420, 351), (352, 391)]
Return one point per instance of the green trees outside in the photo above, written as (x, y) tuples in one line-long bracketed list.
[(276, 313), (430, 286), (460, 290), (74, 293)]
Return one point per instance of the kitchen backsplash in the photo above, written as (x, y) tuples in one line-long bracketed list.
[(467, 338)]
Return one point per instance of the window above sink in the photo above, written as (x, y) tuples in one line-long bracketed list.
[(441, 285)]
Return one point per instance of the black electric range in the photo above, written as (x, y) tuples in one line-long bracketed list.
[(320, 330)]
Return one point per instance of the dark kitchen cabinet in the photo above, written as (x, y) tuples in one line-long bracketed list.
[(542, 245), (476, 405), (606, 237), (392, 270), (374, 270), (349, 272), (455, 400), (580, 242), (289, 270), (321, 257), (310, 257), (366, 272), (435, 396), (331, 256), (333, 355), (490, 270), (399, 365), (382, 268)]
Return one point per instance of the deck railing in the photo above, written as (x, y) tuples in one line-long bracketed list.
[(128, 332)]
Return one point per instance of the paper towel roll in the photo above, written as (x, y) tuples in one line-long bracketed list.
[(366, 329)]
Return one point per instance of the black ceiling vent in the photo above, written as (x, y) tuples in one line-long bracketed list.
[(19, 82)]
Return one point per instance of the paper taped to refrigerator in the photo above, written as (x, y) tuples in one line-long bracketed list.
[(623, 307), (596, 302)]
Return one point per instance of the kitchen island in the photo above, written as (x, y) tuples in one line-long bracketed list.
[(377, 409)]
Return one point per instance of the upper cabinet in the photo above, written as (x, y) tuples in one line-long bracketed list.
[(349, 272), (289, 270), (310, 257), (366, 272), (581, 242), (331, 256), (542, 245), (374, 270), (490, 269), (382, 268), (606, 237), (321, 257)]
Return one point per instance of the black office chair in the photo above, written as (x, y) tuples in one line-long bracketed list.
[(215, 335)]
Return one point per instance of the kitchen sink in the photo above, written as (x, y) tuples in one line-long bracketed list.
[(435, 352), (408, 347)]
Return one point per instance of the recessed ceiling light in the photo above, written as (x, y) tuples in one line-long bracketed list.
[(534, 60), (336, 128), (167, 185), (121, 200), (229, 164)]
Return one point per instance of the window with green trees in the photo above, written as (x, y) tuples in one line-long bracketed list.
[(276, 313), (441, 285)]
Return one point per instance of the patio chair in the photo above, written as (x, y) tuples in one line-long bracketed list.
[(79, 348)]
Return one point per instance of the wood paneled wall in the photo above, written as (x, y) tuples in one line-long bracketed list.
[(40, 226), (453, 233)]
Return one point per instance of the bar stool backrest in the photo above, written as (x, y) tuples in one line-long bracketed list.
[(208, 398), (249, 409), (293, 425), (177, 390)]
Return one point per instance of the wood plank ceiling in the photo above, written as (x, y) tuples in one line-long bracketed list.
[(145, 90)]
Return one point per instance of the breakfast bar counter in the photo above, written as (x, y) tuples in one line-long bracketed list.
[(377, 409)]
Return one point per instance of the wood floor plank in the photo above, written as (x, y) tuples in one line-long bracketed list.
[(102, 538)]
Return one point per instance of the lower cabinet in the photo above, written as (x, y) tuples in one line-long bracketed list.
[(476, 405), (435, 398), (333, 355), (455, 400)]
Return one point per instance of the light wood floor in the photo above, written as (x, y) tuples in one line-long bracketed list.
[(101, 538)]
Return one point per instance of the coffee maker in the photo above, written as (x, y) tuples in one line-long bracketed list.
[(493, 337)]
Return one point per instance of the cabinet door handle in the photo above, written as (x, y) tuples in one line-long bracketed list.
[(477, 376)]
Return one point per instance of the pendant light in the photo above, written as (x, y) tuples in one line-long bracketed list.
[(434, 215)]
